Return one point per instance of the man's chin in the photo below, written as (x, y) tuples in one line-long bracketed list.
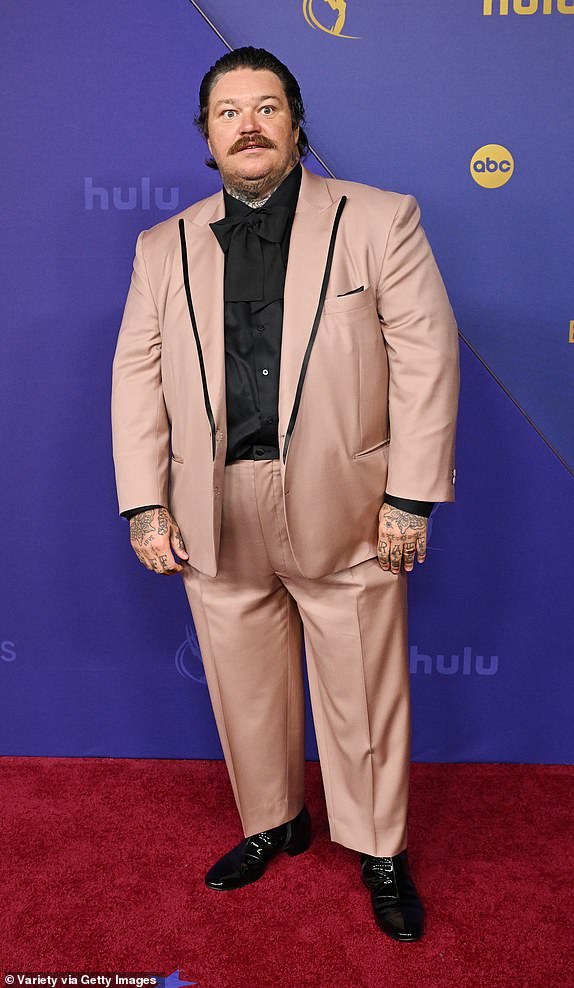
[(252, 172)]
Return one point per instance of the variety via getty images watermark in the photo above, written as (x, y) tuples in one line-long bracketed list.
[(114, 979)]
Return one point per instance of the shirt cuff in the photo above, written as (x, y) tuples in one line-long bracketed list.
[(423, 508), (135, 511)]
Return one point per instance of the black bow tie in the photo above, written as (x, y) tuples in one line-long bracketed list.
[(252, 272)]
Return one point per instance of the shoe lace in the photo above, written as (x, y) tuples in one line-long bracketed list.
[(256, 844), (385, 868), (382, 879)]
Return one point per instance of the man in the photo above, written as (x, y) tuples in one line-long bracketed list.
[(291, 338)]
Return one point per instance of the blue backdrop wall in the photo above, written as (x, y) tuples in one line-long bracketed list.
[(467, 106)]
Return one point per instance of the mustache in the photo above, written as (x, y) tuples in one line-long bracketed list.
[(246, 142)]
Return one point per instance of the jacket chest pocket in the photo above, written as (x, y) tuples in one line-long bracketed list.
[(351, 323), (351, 301)]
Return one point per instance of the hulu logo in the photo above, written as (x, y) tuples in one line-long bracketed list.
[(505, 7), (143, 196), (453, 665)]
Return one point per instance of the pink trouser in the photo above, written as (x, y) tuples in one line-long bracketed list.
[(249, 620)]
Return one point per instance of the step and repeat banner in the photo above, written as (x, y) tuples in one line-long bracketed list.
[(466, 104)]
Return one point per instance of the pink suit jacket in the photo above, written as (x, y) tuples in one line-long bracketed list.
[(368, 388)]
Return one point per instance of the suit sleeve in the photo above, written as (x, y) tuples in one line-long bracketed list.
[(140, 425), (421, 338)]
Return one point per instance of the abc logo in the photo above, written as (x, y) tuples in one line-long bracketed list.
[(492, 166)]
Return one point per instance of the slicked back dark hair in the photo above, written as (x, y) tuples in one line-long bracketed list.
[(258, 59)]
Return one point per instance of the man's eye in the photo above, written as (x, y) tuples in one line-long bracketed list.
[(268, 107), (228, 111)]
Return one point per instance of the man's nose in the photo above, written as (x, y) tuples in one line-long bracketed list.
[(249, 122)]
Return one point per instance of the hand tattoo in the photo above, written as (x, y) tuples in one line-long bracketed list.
[(404, 519), (179, 539), (141, 525), (144, 531), (400, 534)]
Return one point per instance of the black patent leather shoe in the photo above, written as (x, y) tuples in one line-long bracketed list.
[(247, 861), (398, 910)]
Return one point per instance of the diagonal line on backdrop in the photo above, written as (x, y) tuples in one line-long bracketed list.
[(211, 24), (518, 405), (463, 338)]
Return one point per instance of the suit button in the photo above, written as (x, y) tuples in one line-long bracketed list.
[(264, 371), (259, 451)]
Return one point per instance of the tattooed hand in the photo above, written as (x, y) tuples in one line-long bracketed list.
[(153, 535), (400, 533)]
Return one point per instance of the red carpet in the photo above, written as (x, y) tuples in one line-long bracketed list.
[(103, 863)]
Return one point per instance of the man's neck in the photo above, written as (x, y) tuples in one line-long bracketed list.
[(246, 195)]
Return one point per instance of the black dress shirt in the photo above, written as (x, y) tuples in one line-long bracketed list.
[(253, 343), (253, 332)]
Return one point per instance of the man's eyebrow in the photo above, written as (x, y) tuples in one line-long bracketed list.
[(259, 100)]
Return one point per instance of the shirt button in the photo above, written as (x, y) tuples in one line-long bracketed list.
[(264, 371)]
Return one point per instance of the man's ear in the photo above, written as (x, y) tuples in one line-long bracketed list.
[(209, 145)]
